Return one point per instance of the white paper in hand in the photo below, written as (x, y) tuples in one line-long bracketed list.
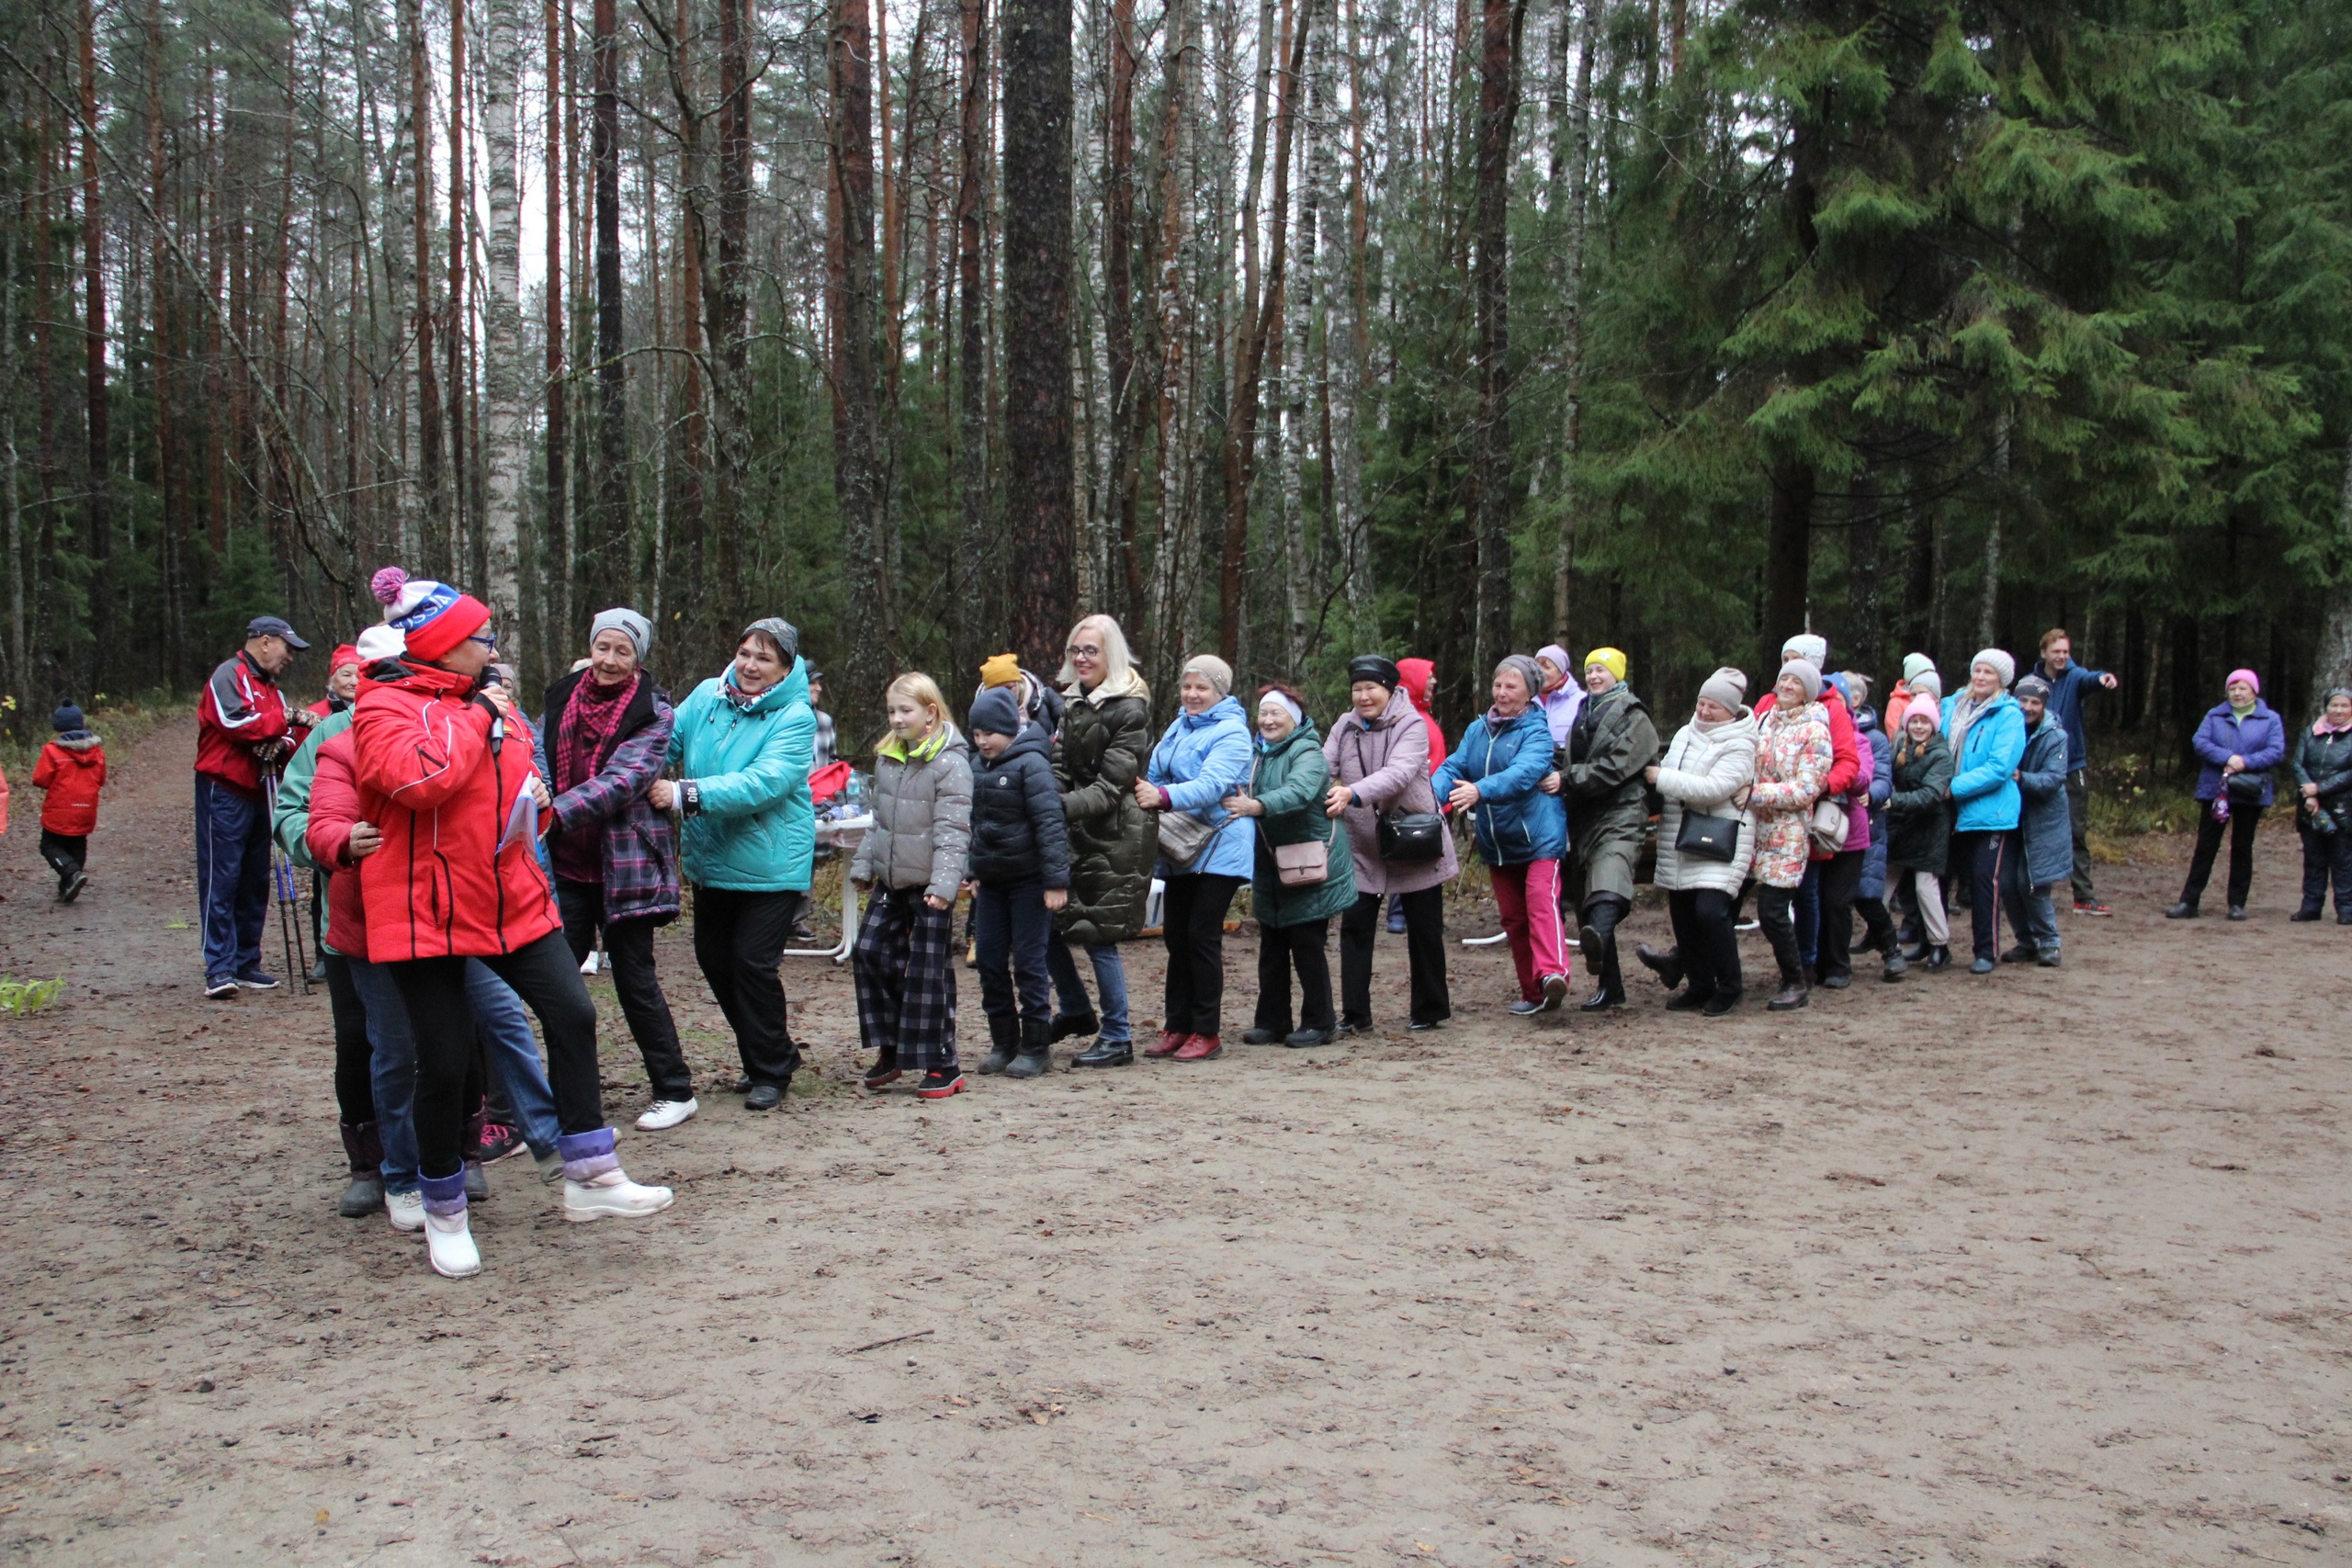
[(522, 819)]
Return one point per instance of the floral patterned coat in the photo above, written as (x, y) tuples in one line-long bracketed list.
[(1792, 761)]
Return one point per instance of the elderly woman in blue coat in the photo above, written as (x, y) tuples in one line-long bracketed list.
[(1988, 735), (2043, 855), (2240, 741), (1203, 757), (1497, 775)]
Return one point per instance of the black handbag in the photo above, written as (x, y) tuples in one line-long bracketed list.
[(1412, 837), (1708, 838), (2246, 789)]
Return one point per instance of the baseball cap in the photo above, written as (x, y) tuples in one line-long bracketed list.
[(273, 625)]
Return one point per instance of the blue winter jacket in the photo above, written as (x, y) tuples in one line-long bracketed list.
[(1514, 822), (1981, 785), (2044, 820), (1201, 759), (2067, 690), (753, 830), (2260, 738)]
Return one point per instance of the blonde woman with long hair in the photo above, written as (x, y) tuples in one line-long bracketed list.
[(1101, 751)]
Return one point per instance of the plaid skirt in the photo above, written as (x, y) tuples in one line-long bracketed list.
[(904, 964)]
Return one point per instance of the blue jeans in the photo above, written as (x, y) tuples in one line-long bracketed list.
[(512, 1054), (1808, 914), (2033, 913), (231, 879), (1110, 979), (1010, 928)]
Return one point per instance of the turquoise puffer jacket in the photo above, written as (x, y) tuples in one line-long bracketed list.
[(755, 830), (1981, 784)]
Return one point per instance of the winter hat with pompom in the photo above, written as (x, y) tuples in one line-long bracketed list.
[(432, 616)]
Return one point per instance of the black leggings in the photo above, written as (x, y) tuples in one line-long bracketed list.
[(1192, 922), (630, 944), (1776, 912), (1978, 853), (1709, 947), (1841, 881), (1602, 911), (1281, 949), (548, 979), (739, 943), (2241, 826), (354, 1085)]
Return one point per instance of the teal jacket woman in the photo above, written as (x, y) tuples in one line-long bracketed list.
[(752, 828), (1291, 780)]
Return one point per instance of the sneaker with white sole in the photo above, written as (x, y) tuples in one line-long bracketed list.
[(664, 1115), (449, 1244), (219, 990), (405, 1209), (612, 1195)]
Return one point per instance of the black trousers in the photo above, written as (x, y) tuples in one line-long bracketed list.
[(1703, 935), (629, 945), (1776, 912), (1192, 920), (2078, 822), (1841, 882), (546, 977), (1281, 949), (739, 943), (355, 1085), (2241, 826), (1978, 855), (65, 852), (2327, 858), (1424, 953)]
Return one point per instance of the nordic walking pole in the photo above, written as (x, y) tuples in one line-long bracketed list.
[(281, 872)]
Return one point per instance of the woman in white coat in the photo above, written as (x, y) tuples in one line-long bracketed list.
[(1706, 772)]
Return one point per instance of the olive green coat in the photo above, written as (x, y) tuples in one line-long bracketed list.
[(1607, 798), (1290, 780), (1098, 756)]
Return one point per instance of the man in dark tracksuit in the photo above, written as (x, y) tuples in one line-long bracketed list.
[(242, 728), (2069, 684)]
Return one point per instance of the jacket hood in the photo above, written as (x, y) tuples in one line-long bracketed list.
[(1305, 735), (949, 739), (1110, 689), (77, 741), (1413, 676), (1226, 707), (428, 679), (1401, 707), (2223, 710), (1616, 694), (1032, 742)]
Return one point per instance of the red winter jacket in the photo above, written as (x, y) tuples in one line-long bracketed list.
[(240, 708), (72, 771), (439, 775), (334, 808), (1845, 757)]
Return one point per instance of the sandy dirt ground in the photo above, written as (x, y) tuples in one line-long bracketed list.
[(2044, 1268)]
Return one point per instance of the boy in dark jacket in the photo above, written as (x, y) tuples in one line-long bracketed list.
[(1019, 864), (72, 769)]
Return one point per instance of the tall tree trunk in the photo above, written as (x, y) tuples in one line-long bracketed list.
[(1788, 559), (689, 532), (555, 15), (1491, 444), (1256, 330), (857, 487), (434, 516), (99, 544), (503, 371), (1989, 587), (730, 319), (979, 596), (1040, 463), (1349, 357), (1575, 174), (607, 570), (1125, 431), (458, 324), (2332, 659)]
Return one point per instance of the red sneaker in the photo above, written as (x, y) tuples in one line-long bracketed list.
[(939, 1086), (1199, 1048), (1170, 1042), (2093, 908)]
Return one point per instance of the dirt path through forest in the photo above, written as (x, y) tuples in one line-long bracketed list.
[(2048, 1268)]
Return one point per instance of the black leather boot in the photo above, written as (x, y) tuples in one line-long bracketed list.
[(1005, 1043), (1105, 1054), (1037, 1057)]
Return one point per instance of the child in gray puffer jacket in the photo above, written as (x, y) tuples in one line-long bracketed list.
[(1019, 871), (914, 860)]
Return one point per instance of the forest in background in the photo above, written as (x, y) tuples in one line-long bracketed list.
[(1285, 328)]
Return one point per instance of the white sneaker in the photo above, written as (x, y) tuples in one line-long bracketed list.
[(405, 1209), (449, 1243), (614, 1194), (664, 1115)]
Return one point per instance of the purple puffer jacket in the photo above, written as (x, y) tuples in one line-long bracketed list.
[(639, 843), (2260, 738)]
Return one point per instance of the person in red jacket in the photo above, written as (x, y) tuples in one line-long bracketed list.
[(242, 729), (72, 769), (446, 776), (342, 683)]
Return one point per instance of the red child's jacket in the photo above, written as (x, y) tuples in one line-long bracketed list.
[(440, 774), (72, 769)]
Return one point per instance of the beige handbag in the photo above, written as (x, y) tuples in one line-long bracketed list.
[(1303, 865)]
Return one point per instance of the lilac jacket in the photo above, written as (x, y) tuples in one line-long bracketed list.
[(639, 844), (2260, 738), (1385, 765)]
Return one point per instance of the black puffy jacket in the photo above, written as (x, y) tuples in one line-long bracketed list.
[(1017, 827)]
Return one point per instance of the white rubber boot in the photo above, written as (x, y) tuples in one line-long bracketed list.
[(612, 1194), (449, 1242)]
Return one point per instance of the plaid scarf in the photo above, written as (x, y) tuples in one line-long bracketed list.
[(589, 721)]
